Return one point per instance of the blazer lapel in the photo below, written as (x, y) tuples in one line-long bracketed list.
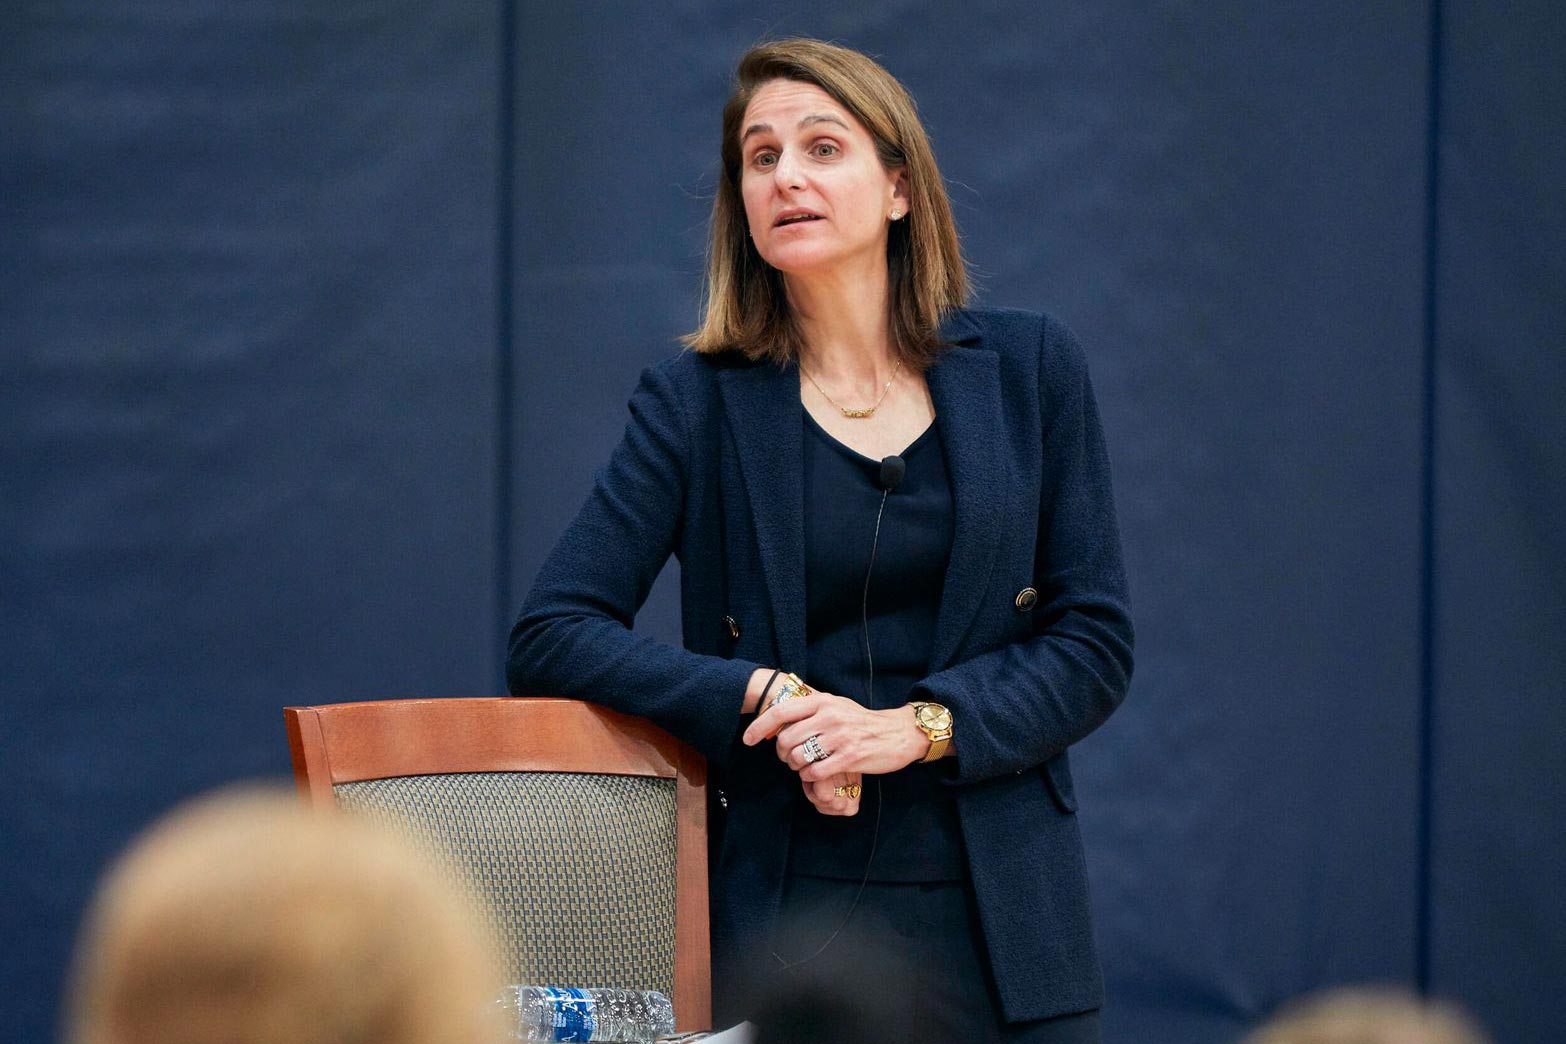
[(764, 414), (965, 387)]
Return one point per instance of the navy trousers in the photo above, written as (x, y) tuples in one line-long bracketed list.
[(897, 961)]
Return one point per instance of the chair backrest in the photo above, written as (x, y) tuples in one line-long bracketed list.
[(581, 831)]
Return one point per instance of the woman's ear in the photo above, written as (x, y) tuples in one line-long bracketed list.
[(898, 206)]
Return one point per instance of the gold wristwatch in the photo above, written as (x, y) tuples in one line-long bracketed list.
[(935, 721)]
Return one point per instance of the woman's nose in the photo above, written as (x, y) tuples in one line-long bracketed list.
[(788, 170)]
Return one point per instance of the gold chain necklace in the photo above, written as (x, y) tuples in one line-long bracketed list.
[(844, 410)]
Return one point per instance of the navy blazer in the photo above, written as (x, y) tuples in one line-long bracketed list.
[(711, 469)]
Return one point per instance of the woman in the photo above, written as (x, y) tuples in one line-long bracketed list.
[(903, 792)]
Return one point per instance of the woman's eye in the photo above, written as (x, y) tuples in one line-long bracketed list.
[(763, 159), (826, 148)]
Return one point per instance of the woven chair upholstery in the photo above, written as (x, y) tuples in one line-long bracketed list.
[(581, 831), (555, 859)]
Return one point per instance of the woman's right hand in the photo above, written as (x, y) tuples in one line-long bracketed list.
[(823, 794)]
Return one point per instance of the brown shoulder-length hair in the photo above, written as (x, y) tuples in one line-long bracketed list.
[(745, 305)]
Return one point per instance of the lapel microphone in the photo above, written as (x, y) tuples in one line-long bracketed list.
[(892, 471)]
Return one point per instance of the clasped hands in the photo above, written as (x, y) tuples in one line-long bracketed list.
[(856, 739)]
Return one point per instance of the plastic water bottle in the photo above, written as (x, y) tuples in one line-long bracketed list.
[(552, 1014)]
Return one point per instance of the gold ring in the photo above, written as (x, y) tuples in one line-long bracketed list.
[(791, 688), (850, 790)]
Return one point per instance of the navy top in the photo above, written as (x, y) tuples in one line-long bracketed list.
[(918, 837)]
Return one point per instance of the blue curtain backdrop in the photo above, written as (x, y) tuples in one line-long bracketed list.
[(316, 321)]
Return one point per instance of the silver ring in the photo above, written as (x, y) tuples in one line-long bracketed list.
[(813, 751)]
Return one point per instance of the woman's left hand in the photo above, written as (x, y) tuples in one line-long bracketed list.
[(857, 738), (828, 797)]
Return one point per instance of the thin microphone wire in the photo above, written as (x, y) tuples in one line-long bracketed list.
[(864, 604), (875, 834)]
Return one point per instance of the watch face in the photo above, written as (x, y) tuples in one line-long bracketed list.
[(935, 717)]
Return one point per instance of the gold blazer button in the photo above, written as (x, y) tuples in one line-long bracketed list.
[(1027, 598), (733, 627)]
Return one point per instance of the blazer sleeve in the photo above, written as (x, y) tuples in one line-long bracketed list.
[(1020, 705), (573, 636)]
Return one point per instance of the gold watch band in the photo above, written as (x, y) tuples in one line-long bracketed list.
[(940, 735)]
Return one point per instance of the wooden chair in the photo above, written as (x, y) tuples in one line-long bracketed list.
[(581, 831)]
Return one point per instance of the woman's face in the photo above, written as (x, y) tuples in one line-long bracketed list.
[(816, 195)]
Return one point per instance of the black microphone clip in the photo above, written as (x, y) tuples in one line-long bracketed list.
[(892, 471)]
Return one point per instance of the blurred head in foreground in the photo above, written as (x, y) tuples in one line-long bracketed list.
[(243, 918), (1368, 1016)]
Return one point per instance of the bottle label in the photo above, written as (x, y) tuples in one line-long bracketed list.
[(573, 1014)]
